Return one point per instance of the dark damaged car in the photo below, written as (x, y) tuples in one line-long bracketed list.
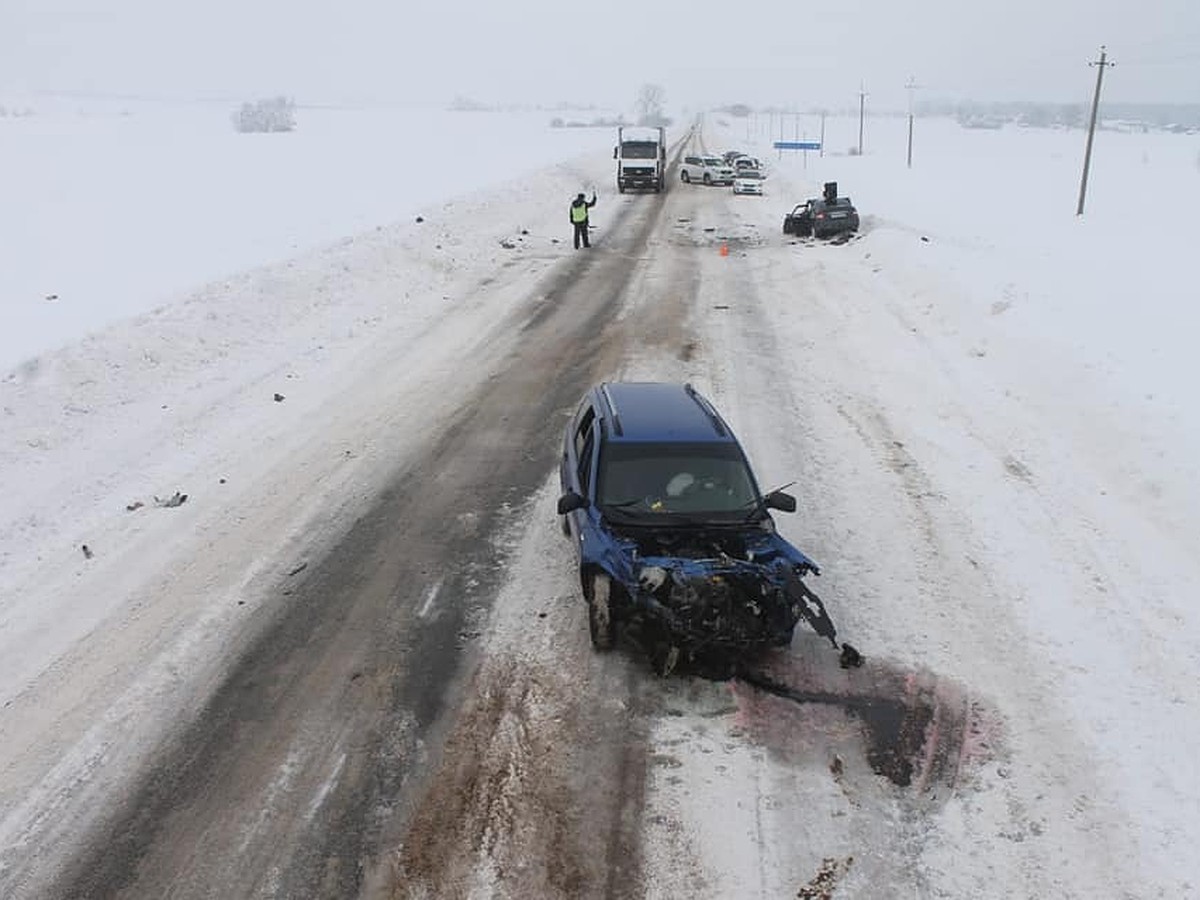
[(672, 534)]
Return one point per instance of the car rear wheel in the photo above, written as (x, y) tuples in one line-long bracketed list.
[(599, 602)]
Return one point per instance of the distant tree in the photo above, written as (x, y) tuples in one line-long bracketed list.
[(1074, 115), (468, 104), (650, 102), (270, 115)]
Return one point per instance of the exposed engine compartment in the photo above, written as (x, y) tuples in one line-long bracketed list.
[(724, 544), (729, 607), (726, 588)]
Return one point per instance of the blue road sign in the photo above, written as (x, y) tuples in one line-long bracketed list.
[(797, 145)]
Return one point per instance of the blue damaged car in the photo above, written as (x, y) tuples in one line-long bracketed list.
[(671, 531)]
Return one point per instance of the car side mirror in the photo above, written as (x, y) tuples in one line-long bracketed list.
[(571, 501), (780, 501)]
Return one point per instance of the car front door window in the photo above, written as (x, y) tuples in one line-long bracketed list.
[(585, 459)]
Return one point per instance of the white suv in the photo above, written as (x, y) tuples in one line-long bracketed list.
[(706, 170)]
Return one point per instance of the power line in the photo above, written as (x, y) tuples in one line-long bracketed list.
[(1162, 60)]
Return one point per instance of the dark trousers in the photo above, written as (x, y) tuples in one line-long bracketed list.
[(581, 234)]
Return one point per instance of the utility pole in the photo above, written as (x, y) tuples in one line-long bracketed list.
[(910, 86), (1101, 64), (862, 106), (822, 152)]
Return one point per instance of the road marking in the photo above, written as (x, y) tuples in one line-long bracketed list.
[(325, 788), (430, 597)]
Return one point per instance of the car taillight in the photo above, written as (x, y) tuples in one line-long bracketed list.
[(820, 215)]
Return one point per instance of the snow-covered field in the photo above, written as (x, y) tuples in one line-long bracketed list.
[(114, 210), (1005, 381)]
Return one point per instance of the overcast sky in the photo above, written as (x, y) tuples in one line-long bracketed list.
[(793, 52)]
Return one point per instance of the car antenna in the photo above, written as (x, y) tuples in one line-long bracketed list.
[(761, 499), (780, 488)]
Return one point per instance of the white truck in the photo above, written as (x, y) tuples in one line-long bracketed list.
[(641, 155)]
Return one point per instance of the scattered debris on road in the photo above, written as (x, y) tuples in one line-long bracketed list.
[(87, 551), (176, 499), (825, 882)]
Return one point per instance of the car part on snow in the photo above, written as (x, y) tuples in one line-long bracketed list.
[(850, 657)]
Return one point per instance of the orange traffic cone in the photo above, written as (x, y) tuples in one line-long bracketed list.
[(724, 249)]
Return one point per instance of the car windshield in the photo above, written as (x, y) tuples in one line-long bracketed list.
[(749, 176), (639, 150), (645, 480), (712, 161)]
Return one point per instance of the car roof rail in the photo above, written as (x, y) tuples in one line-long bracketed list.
[(612, 405), (712, 414)]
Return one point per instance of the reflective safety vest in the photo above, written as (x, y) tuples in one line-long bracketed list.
[(579, 213)]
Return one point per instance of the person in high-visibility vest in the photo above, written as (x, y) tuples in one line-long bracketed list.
[(579, 218)]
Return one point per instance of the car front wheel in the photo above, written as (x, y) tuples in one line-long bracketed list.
[(664, 657), (684, 177), (599, 601)]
